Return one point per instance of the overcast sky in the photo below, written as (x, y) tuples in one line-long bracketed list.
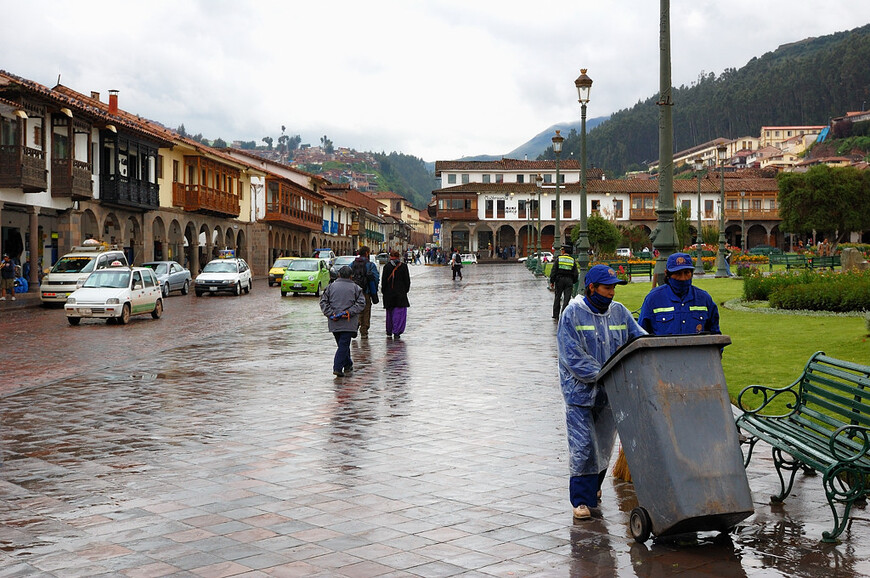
[(437, 79)]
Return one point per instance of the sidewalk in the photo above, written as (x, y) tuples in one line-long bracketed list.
[(22, 300)]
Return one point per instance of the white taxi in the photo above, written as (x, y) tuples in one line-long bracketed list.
[(227, 275), (116, 293)]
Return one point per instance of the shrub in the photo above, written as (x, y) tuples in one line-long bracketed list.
[(839, 292)]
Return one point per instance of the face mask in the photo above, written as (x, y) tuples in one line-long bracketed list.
[(599, 302), (680, 287)]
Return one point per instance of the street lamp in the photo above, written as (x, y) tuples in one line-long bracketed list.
[(557, 149), (539, 269), (584, 87), (721, 265), (699, 265), (742, 222)]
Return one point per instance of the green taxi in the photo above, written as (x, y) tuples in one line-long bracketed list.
[(305, 276)]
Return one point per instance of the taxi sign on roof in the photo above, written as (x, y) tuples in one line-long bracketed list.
[(226, 254)]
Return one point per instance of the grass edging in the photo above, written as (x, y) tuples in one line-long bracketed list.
[(738, 305)]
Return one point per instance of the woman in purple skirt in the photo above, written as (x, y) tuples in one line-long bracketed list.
[(395, 284)]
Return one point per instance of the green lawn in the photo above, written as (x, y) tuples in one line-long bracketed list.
[(769, 349)]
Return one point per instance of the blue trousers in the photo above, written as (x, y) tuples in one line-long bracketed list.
[(342, 354)]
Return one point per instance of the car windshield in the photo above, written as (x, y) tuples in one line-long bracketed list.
[(341, 261), (74, 265), (281, 263), (300, 265), (220, 267), (115, 279), (159, 268)]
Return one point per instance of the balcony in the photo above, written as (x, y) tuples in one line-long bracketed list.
[(202, 199), (135, 194), (71, 179), (284, 213), (23, 168), (457, 215), (752, 214), (643, 215)]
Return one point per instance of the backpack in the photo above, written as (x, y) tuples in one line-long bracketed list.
[(359, 275)]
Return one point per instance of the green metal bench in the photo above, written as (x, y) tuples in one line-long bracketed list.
[(788, 260), (631, 269), (828, 262), (826, 427)]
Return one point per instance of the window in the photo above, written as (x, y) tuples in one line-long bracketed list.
[(451, 179), (37, 136), (499, 178), (548, 178), (9, 132), (521, 208), (562, 178), (520, 178), (553, 208), (596, 207), (175, 167), (159, 166), (566, 208), (686, 204), (773, 206), (617, 208), (499, 209), (465, 179), (490, 211), (731, 205), (756, 204), (486, 179), (708, 209)]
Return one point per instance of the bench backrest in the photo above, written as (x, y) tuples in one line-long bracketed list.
[(833, 393)]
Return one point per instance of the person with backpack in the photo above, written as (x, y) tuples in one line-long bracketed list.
[(456, 264), (365, 274), (341, 303), (395, 285)]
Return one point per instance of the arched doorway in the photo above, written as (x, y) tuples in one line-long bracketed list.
[(160, 248)]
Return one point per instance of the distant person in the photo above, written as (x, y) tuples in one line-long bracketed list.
[(7, 278), (590, 330), (365, 274), (678, 307), (456, 265), (341, 303), (563, 275), (395, 285)]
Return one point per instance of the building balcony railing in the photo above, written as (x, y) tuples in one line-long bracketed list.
[(136, 194), (71, 179), (205, 199), (283, 213), (752, 214), (642, 215), (23, 168), (455, 215)]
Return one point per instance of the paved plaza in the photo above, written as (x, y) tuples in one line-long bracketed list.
[(233, 451)]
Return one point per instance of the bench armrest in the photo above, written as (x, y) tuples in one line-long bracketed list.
[(767, 395), (855, 433)]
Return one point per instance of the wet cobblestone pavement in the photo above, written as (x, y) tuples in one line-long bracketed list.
[(232, 450)]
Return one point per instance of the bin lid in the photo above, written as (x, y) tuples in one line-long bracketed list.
[(656, 341)]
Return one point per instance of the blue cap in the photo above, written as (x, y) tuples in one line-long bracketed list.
[(603, 275), (679, 261)]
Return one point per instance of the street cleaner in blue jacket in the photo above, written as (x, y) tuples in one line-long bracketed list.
[(591, 329), (678, 307)]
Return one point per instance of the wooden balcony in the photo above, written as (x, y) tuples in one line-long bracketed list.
[(135, 194), (71, 179), (202, 199), (748, 214), (284, 213), (23, 168), (454, 215), (643, 215)]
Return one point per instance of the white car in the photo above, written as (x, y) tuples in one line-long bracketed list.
[(116, 293), (72, 269), (469, 259), (546, 257), (224, 276)]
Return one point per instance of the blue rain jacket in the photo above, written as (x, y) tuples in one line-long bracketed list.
[(586, 340), (665, 313)]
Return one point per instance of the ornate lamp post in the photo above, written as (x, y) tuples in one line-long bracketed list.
[(742, 221), (539, 269), (699, 265), (584, 87), (721, 269), (557, 149)]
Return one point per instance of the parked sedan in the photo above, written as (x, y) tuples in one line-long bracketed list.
[(172, 276), (224, 276), (305, 276), (343, 260), (277, 270), (116, 293)]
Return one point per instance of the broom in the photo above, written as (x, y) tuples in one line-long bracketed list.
[(620, 468)]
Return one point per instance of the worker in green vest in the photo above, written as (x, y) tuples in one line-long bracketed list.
[(563, 275)]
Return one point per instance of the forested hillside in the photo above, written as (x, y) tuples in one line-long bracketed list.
[(804, 83), (407, 176)]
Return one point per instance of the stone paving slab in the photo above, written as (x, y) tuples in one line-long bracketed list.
[(443, 455)]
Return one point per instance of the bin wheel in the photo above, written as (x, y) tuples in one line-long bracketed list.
[(640, 525)]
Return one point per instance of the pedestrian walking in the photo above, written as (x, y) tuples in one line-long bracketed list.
[(590, 330), (7, 278), (678, 307), (395, 285), (341, 303), (365, 274), (563, 275), (456, 264)]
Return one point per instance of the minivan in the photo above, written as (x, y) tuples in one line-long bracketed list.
[(72, 269), (624, 252)]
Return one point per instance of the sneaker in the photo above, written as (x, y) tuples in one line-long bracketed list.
[(396, 335), (338, 373), (581, 512), (2, 298), (13, 298)]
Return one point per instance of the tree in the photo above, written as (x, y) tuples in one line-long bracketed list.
[(219, 143), (683, 227), (268, 140), (603, 235), (282, 141), (181, 130), (326, 144), (634, 236), (828, 200)]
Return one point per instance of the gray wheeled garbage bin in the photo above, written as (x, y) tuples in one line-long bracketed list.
[(675, 423)]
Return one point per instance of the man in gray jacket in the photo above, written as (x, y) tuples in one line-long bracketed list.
[(342, 303)]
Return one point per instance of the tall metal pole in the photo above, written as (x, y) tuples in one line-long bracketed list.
[(699, 264), (584, 88), (557, 150), (539, 270), (742, 221), (721, 265), (664, 237)]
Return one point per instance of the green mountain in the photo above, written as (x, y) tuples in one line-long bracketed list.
[(803, 83)]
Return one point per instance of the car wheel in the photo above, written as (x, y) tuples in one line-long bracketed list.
[(271, 284), (165, 289), (158, 309), (125, 315), (199, 293), (248, 288), (238, 290), (74, 320), (185, 289), (283, 293), (317, 292)]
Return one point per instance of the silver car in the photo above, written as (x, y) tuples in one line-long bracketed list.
[(172, 276)]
